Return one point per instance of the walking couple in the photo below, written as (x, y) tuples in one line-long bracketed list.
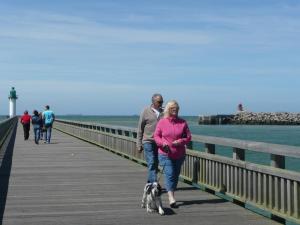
[(163, 136)]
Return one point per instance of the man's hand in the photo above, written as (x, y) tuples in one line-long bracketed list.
[(140, 149)]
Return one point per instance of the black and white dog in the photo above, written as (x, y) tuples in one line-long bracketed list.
[(152, 198)]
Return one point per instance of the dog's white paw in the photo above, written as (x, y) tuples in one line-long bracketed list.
[(151, 211), (143, 205), (161, 212)]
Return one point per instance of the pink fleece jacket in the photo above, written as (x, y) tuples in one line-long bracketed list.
[(172, 129)]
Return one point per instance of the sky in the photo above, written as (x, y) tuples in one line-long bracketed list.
[(107, 57)]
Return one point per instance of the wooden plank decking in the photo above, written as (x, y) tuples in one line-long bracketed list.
[(73, 182)]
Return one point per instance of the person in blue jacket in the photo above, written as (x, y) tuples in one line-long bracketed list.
[(48, 117), (36, 123)]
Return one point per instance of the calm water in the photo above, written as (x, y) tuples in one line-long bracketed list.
[(286, 135), (3, 118)]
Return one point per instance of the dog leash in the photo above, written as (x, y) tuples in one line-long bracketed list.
[(166, 149), (161, 172)]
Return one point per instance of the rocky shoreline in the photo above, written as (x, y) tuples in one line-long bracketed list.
[(251, 118), (279, 118)]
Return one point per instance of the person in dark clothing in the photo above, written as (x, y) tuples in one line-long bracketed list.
[(25, 120), (41, 126), (36, 123)]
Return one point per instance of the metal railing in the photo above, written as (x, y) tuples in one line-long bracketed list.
[(269, 190), (6, 127)]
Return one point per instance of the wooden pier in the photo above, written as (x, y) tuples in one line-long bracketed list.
[(74, 182)]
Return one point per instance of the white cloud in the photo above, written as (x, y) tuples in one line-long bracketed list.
[(73, 29)]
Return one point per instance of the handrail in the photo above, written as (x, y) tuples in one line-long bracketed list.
[(282, 150), (5, 126), (275, 149)]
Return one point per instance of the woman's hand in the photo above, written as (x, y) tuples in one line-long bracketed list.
[(166, 148), (175, 143)]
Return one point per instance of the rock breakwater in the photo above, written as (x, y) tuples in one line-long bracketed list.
[(278, 118), (251, 118)]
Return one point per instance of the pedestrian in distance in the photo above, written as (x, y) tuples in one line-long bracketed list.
[(171, 136), (25, 121), (41, 125), (36, 123), (48, 117), (145, 141)]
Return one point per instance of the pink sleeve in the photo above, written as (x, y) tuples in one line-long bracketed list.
[(186, 136), (158, 134)]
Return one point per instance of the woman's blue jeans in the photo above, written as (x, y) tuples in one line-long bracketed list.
[(151, 156), (171, 170)]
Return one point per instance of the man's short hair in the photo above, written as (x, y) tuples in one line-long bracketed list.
[(154, 97), (47, 107)]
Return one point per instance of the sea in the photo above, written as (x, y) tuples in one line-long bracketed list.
[(276, 134)]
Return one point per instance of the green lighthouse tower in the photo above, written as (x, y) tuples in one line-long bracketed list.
[(12, 102)]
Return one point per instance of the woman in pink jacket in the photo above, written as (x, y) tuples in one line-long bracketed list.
[(171, 135)]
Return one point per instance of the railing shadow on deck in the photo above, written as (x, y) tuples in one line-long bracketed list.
[(6, 150), (201, 201)]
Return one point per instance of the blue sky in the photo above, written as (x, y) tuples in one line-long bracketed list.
[(105, 57)]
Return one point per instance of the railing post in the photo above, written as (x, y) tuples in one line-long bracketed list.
[(196, 168), (238, 154), (210, 148), (278, 161), (239, 181)]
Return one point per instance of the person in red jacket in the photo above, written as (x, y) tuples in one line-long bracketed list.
[(25, 120)]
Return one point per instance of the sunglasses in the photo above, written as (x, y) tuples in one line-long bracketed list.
[(160, 102)]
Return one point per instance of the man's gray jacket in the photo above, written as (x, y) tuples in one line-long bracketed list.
[(146, 126)]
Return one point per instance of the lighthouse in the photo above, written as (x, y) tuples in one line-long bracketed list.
[(12, 102)]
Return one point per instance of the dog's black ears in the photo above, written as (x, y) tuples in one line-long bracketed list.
[(159, 190), (148, 189)]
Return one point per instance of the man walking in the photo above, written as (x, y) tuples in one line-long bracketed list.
[(48, 117), (146, 127), (25, 120)]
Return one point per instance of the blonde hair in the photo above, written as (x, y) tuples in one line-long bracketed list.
[(169, 105)]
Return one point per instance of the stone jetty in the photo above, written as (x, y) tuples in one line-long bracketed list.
[(278, 118), (251, 118)]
